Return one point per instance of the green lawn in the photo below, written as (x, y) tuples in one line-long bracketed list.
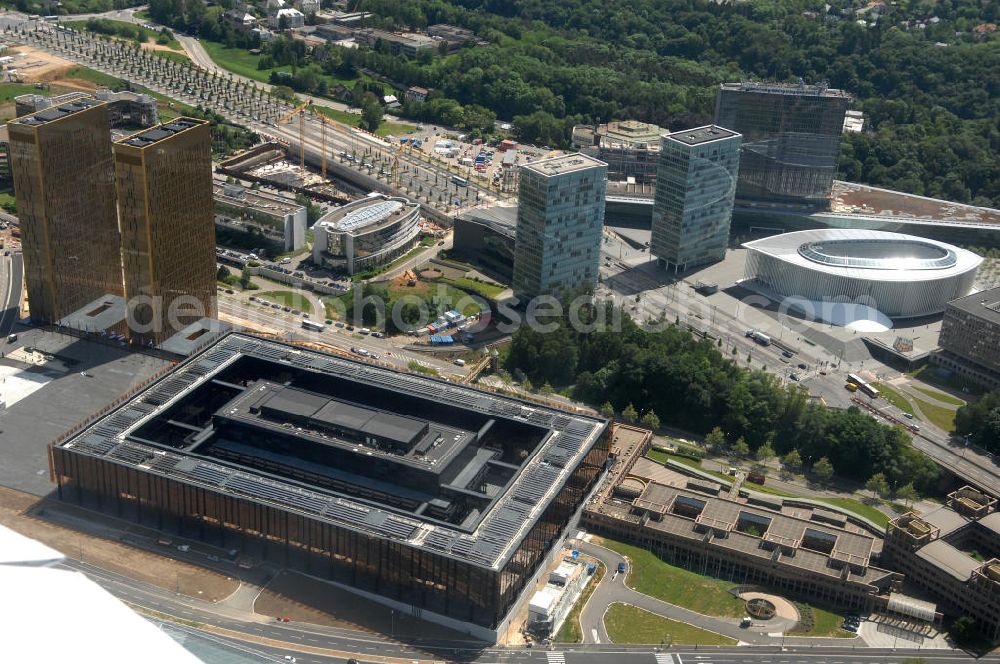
[(172, 55), (940, 416), (483, 288), (96, 77), (856, 506), (663, 457), (894, 397), (820, 622), (124, 30), (10, 90), (570, 630), (287, 299), (630, 624), (652, 576), (239, 61), (413, 365), (934, 375), (940, 396), (353, 119)]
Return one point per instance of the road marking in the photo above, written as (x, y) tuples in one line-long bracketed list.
[(596, 638), (555, 657), (664, 659)]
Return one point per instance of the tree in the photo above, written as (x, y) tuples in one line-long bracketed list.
[(245, 282), (223, 273), (715, 440), (651, 420), (765, 453), (878, 485), (823, 469), (793, 461), (371, 116), (740, 448), (607, 410), (907, 493), (527, 386), (629, 415), (546, 389), (964, 630)]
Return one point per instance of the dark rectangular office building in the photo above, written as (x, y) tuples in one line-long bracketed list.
[(434, 498), (791, 140), (164, 183), (63, 176)]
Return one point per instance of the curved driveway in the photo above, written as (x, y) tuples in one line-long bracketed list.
[(613, 589)]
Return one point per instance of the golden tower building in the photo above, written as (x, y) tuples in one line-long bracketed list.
[(63, 174), (164, 181)]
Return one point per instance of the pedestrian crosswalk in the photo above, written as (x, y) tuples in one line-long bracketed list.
[(555, 657), (664, 659)]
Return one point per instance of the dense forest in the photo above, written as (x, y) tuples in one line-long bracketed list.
[(692, 384), (925, 73), (980, 421)]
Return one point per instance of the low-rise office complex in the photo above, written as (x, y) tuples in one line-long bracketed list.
[(560, 223), (268, 209), (435, 498), (970, 337), (366, 233), (804, 551), (693, 207), (953, 552)]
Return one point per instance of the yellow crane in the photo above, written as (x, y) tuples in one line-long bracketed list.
[(301, 112)]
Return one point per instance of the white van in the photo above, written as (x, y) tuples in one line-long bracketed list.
[(460, 362)]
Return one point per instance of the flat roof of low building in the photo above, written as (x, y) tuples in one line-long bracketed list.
[(700, 135), (724, 515), (563, 164), (984, 304), (257, 200), (864, 200), (946, 557)]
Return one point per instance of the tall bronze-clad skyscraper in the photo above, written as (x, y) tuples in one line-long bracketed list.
[(63, 175), (164, 179)]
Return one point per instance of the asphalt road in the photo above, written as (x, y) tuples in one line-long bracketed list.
[(12, 285)]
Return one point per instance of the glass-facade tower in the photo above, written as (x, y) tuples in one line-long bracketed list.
[(560, 219), (63, 176), (164, 180), (791, 139), (693, 208)]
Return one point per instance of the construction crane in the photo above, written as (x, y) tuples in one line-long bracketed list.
[(301, 112)]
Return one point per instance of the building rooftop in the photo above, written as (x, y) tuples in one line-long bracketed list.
[(757, 531), (256, 199), (367, 214), (502, 219), (868, 254), (944, 556), (147, 137), (860, 199), (984, 304), (563, 164), (520, 454), (700, 135), (53, 113), (800, 89)]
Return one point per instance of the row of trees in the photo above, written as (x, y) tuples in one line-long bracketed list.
[(980, 421), (691, 384)]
